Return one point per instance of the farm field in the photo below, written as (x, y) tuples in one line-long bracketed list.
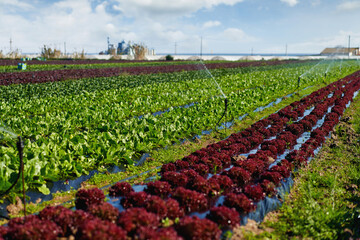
[(71, 127)]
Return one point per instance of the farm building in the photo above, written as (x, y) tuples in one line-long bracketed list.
[(340, 51)]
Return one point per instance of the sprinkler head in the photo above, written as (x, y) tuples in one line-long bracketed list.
[(20, 144)]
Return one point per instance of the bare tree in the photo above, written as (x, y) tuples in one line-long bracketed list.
[(16, 53), (139, 50), (79, 55), (48, 52)]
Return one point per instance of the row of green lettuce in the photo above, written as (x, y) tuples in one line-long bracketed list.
[(72, 127)]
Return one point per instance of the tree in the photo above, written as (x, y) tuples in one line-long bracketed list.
[(139, 50), (47, 52)]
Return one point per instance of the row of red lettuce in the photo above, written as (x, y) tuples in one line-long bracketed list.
[(9, 78)]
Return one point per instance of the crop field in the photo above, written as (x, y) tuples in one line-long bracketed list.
[(139, 117)]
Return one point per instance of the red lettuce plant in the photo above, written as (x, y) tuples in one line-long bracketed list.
[(168, 233), (297, 158), (201, 153), (97, 229), (191, 175), (255, 140), (207, 187), (194, 228), (296, 129), (60, 215), (226, 184), (201, 169), (145, 233), (265, 132), (33, 228), (306, 124), (120, 189), (254, 166), (191, 201), (311, 118), (175, 179), (283, 170), (239, 175), (104, 211), (240, 202), (215, 164), (268, 187), (274, 177), (254, 192), (173, 209), (225, 217), (169, 167), (289, 138), (263, 155), (134, 199), (85, 198), (133, 218), (181, 164), (156, 205), (158, 188), (3, 232)]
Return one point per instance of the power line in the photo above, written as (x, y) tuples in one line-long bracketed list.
[(201, 47)]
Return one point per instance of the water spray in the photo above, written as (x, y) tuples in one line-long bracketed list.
[(209, 73), (312, 68), (221, 91), (305, 73), (328, 68)]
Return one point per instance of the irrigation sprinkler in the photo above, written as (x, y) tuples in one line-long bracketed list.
[(20, 147), (299, 78), (225, 110), (221, 91)]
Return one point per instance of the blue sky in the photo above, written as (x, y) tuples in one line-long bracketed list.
[(225, 26)]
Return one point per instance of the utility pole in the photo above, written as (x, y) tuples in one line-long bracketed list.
[(286, 50), (201, 47), (175, 48), (65, 48), (10, 44), (349, 47), (252, 51)]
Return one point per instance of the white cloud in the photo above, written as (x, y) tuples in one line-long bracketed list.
[(349, 6), (316, 45), (291, 3), (156, 8), (73, 22), (16, 4), (315, 2), (236, 34), (211, 24)]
